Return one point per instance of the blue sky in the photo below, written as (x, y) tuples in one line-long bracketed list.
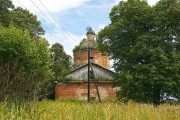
[(69, 18)]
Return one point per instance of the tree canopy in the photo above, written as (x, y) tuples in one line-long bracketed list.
[(24, 55), (24, 63), (25, 20), (27, 65), (144, 42), (5, 6), (21, 18), (61, 62)]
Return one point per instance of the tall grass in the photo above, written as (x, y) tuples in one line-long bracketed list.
[(81, 110)]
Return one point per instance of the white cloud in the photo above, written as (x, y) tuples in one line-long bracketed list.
[(52, 5), (69, 52), (152, 2), (57, 35), (55, 38), (67, 39), (56, 7), (74, 39), (77, 40), (101, 26)]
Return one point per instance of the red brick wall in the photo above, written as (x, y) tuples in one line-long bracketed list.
[(81, 58), (78, 90)]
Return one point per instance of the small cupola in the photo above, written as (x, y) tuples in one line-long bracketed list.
[(90, 34)]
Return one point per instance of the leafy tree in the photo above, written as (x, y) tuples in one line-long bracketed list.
[(25, 20), (24, 64), (61, 62), (5, 5), (60, 67), (144, 42), (21, 18)]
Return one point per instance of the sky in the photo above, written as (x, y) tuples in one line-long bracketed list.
[(65, 21)]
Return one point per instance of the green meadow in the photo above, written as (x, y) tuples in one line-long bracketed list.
[(82, 110)]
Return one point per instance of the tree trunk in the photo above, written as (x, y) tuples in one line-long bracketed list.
[(156, 96)]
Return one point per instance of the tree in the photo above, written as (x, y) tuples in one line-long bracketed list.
[(144, 43), (25, 20), (61, 62), (21, 19), (5, 5), (24, 64), (60, 67)]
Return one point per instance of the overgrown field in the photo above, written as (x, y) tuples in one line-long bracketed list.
[(81, 110)]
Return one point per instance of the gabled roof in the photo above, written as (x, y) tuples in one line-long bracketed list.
[(92, 64), (100, 72)]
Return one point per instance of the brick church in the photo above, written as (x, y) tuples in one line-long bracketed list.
[(76, 88)]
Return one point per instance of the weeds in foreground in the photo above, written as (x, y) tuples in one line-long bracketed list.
[(81, 110)]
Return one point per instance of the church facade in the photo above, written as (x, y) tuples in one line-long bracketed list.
[(77, 88)]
